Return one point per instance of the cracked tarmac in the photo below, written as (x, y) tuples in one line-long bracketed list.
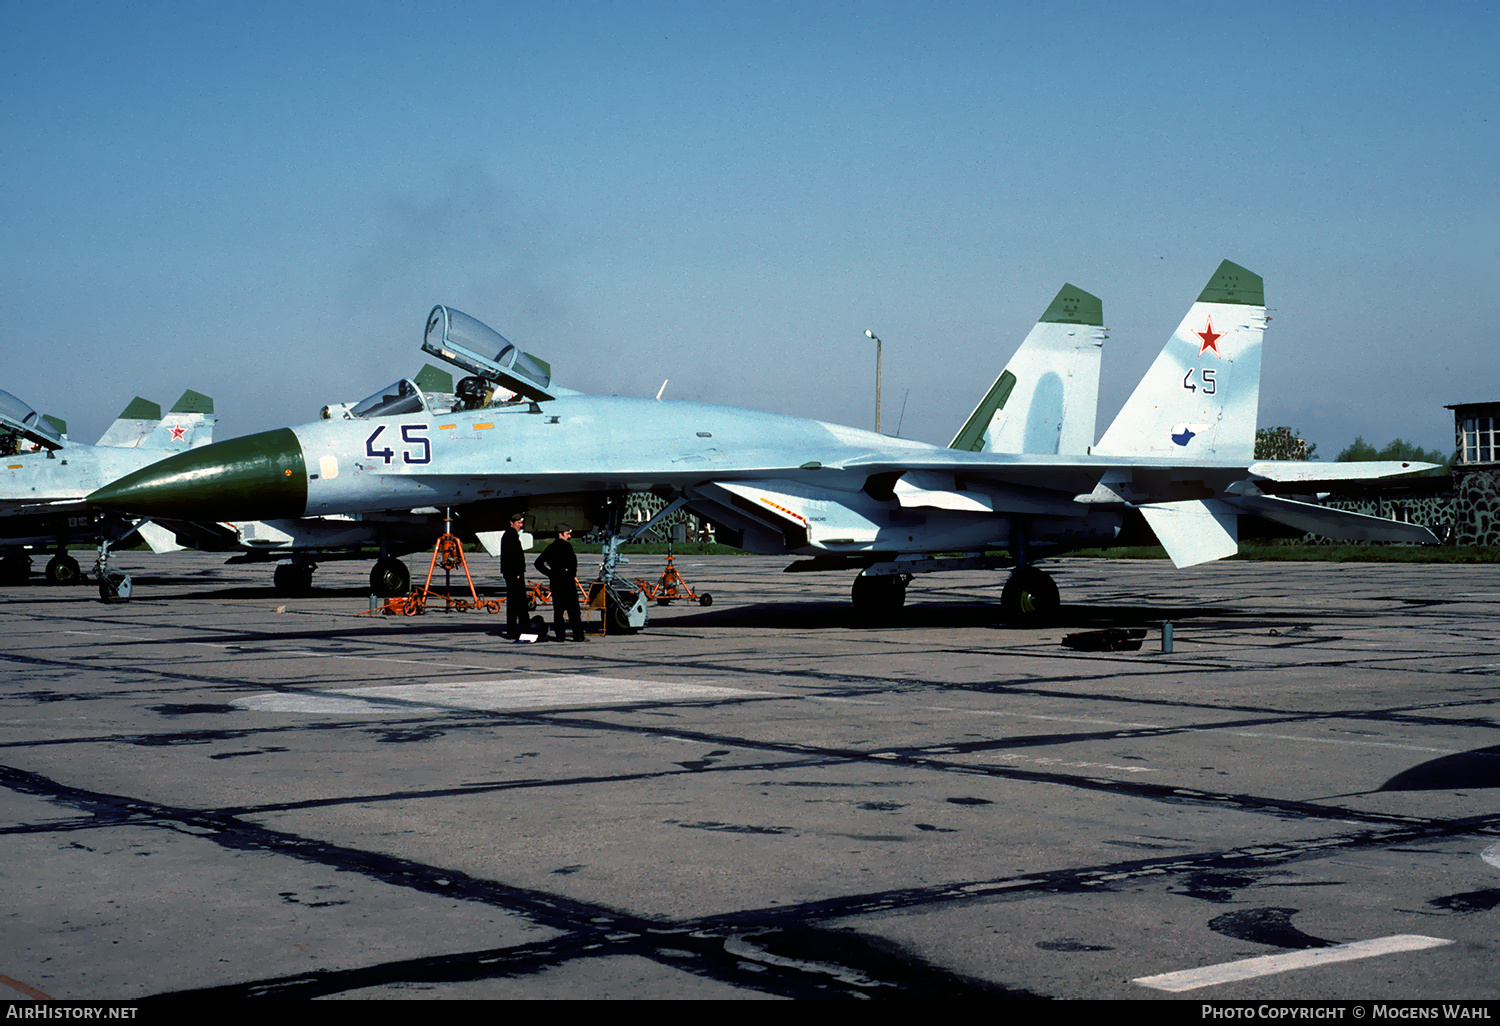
[(217, 791)]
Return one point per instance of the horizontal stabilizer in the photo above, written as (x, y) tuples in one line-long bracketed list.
[(1311, 470), (1332, 523), (1194, 532)]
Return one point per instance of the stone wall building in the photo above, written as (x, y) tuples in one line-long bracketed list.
[(1476, 473)]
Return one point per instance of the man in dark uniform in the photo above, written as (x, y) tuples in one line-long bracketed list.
[(560, 564), (513, 569)]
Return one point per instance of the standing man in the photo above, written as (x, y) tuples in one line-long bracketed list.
[(560, 564), (513, 569)]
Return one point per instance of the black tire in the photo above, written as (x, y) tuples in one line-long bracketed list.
[(879, 598), (63, 569), (1030, 597), (389, 578), (705, 599), (15, 569), (293, 578)]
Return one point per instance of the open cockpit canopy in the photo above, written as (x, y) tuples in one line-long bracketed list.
[(461, 340), (16, 418)]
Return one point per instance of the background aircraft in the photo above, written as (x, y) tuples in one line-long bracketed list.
[(46, 476), (1181, 452)]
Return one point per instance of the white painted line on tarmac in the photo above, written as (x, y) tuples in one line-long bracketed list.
[(1492, 854), (1341, 741), (1056, 719), (563, 691), (413, 662), (1266, 965), (1032, 760)]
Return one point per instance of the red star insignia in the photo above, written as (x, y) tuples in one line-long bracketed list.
[(177, 432), (1209, 337)]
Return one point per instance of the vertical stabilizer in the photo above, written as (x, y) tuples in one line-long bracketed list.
[(133, 424), (1046, 399), (1199, 399), (189, 424)]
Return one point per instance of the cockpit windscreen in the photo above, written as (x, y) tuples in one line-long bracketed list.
[(392, 400)]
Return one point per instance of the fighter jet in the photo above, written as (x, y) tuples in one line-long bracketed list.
[(297, 545), (46, 476), (1181, 452)]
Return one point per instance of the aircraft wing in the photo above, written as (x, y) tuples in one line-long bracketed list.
[(1313, 472)]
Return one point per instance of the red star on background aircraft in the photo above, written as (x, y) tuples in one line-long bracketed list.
[(177, 432)]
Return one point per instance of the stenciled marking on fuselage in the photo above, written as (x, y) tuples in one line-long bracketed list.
[(417, 449)]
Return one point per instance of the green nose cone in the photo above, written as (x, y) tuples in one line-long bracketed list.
[(257, 477)]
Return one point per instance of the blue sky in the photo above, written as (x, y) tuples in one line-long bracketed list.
[(262, 201)]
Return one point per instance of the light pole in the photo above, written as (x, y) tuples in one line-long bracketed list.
[(872, 335)]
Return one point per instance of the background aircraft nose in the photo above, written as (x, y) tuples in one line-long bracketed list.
[(257, 477)]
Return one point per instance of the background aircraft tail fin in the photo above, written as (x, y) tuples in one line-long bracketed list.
[(189, 424), (1046, 399), (133, 424), (1199, 399)]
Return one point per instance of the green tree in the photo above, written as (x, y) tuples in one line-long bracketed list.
[(1282, 443), (1361, 451)]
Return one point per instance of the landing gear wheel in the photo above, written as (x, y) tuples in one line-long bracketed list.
[(705, 599), (390, 577), (63, 569), (293, 578), (879, 598), (1030, 597), (15, 569), (115, 587), (621, 608)]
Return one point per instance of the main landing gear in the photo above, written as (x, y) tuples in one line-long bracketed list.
[(1029, 597), (879, 597), (63, 569), (293, 578), (390, 577), (15, 568)]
